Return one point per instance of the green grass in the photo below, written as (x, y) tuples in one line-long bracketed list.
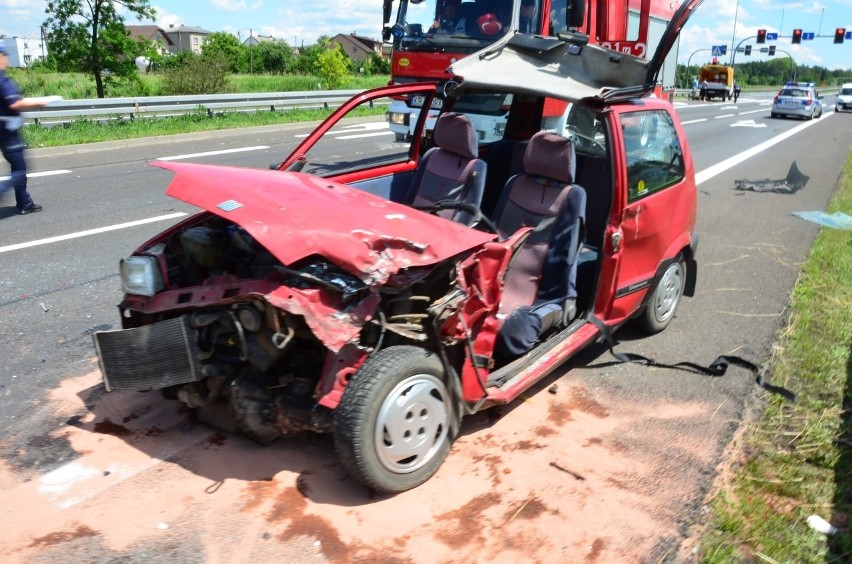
[(73, 86), (91, 131), (796, 459), (82, 130)]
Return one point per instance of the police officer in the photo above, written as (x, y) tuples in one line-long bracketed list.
[(11, 105)]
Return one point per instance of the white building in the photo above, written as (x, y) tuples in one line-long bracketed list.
[(23, 52)]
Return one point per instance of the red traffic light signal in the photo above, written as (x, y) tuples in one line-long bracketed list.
[(839, 34), (761, 36), (797, 36)]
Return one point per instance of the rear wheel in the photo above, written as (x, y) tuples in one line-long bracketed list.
[(662, 306), (396, 420)]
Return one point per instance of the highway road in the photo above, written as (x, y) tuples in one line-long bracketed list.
[(59, 284)]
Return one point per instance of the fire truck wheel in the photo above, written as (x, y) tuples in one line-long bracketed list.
[(396, 420)]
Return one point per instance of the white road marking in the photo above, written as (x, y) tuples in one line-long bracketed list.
[(693, 121), (90, 232), (718, 168), (761, 110), (747, 123), (364, 135), (209, 153), (723, 116), (370, 126), (37, 174)]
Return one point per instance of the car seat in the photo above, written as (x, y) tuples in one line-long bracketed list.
[(540, 286), (450, 171)]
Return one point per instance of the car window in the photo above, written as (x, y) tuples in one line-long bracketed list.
[(653, 150), (360, 140), (846, 92), (586, 130)]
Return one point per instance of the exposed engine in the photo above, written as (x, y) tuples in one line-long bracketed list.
[(243, 364)]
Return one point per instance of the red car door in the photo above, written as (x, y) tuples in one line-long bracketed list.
[(655, 191)]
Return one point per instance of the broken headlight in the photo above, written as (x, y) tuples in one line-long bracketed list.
[(141, 276)]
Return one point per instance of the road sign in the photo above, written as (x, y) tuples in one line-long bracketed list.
[(848, 34), (718, 50), (771, 36), (808, 36)]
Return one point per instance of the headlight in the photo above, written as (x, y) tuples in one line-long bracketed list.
[(141, 276), (398, 118)]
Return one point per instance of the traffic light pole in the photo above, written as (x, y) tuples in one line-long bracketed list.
[(737, 48), (688, 61), (792, 63)]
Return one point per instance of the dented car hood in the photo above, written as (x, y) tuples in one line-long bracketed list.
[(296, 215)]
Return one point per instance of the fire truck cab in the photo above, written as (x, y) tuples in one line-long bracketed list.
[(429, 36)]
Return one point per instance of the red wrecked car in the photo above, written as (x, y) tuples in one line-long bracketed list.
[(380, 291)]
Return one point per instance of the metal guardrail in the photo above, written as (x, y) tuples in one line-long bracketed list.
[(152, 106)]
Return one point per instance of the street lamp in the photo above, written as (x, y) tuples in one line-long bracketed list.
[(734, 34)]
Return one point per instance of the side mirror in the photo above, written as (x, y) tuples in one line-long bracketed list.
[(386, 11), (576, 13)]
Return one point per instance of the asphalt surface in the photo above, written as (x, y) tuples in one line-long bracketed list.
[(672, 426)]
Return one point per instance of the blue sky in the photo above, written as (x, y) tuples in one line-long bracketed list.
[(302, 21)]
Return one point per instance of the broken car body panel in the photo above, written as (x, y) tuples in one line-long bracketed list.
[(299, 302), (368, 236)]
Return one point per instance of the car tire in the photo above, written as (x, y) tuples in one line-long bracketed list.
[(397, 419), (665, 298), (399, 136), (773, 115)]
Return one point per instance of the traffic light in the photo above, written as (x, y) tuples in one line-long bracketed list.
[(839, 34), (772, 50), (797, 36), (761, 36), (748, 49)]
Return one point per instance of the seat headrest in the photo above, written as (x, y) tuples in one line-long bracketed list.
[(551, 156), (455, 133)]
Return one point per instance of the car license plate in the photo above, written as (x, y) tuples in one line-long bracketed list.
[(418, 100), (791, 103)]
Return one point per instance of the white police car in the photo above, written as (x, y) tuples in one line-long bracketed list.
[(797, 99), (844, 98)]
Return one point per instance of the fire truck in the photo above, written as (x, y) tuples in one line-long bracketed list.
[(430, 35)]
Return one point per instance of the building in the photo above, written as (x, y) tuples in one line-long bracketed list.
[(255, 40), (358, 48), (151, 33), (23, 52), (186, 38)]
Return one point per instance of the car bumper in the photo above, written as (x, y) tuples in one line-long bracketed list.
[(799, 112)]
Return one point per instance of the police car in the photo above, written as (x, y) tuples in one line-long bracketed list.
[(798, 99)]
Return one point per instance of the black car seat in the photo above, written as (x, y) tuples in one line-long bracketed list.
[(540, 287), (450, 171)]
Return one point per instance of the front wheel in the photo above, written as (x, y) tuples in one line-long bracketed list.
[(662, 306), (396, 420)]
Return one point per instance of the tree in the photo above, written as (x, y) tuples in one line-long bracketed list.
[(223, 45), (275, 56), (333, 66), (89, 36)]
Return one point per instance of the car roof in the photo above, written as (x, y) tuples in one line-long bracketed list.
[(566, 68)]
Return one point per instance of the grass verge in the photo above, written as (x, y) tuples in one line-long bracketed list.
[(795, 460), (91, 131)]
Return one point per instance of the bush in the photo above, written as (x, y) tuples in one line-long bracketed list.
[(197, 75)]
